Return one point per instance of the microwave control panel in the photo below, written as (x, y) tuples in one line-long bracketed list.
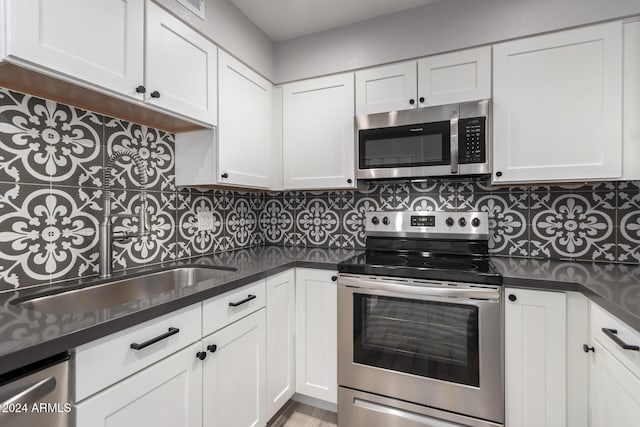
[(471, 140)]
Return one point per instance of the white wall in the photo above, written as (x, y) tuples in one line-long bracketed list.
[(442, 26), (232, 30)]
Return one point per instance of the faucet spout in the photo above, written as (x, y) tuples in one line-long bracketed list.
[(106, 234)]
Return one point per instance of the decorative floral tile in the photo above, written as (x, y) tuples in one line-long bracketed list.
[(508, 222), (42, 141), (189, 240), (572, 226), (149, 249), (353, 222), (275, 222), (241, 223), (155, 148), (317, 223), (628, 233)]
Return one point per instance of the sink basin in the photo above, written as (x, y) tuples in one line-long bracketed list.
[(91, 298)]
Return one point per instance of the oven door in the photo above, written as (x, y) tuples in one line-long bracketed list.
[(407, 143), (432, 344)]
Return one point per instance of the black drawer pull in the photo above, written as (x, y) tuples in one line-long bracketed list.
[(247, 299), (612, 333), (171, 331)]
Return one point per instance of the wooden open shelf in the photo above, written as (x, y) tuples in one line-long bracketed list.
[(41, 85)]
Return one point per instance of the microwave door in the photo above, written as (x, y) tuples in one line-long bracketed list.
[(411, 150)]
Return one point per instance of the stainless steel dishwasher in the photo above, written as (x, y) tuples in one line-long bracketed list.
[(36, 395)]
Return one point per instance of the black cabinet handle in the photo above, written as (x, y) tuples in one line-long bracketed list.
[(212, 348), (171, 331), (155, 94), (334, 278), (349, 181), (247, 299), (498, 174), (201, 355), (141, 89), (225, 175), (512, 297), (587, 349), (421, 100), (412, 101), (612, 333)]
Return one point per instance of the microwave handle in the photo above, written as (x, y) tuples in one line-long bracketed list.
[(453, 122)]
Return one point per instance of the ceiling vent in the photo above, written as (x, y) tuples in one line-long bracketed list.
[(195, 6)]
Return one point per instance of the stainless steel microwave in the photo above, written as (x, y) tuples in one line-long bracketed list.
[(450, 139)]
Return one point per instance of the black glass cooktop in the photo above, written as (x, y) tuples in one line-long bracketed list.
[(458, 268)]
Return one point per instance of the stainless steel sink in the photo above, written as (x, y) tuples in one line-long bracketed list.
[(111, 294)]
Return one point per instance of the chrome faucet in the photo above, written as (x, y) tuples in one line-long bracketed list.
[(106, 235)]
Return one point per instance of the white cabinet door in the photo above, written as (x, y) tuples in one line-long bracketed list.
[(388, 88), (631, 106), (614, 391), (98, 41), (558, 106), (167, 394), (535, 358), (281, 352), (455, 77), (234, 374), (318, 133), (316, 334), (180, 67), (244, 137)]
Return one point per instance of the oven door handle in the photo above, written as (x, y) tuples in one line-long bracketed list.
[(422, 289)]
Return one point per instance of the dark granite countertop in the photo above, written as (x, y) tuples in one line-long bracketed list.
[(614, 287), (27, 336)]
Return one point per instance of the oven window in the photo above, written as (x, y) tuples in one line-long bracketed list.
[(426, 338), (426, 144)]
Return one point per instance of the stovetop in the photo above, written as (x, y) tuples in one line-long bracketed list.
[(455, 268)]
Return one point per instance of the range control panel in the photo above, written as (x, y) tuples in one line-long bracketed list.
[(472, 140), (428, 224)]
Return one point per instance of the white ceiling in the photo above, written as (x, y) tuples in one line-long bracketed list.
[(286, 19)]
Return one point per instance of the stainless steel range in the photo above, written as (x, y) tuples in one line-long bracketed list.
[(420, 339)]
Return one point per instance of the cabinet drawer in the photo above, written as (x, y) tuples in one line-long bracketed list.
[(227, 308), (600, 319), (103, 362)]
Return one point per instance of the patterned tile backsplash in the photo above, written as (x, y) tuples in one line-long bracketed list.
[(593, 222), (51, 161)]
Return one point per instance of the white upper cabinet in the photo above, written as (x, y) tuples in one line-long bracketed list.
[(455, 77), (631, 94), (318, 133), (388, 88), (100, 42), (436, 80), (180, 68), (558, 106), (245, 135)]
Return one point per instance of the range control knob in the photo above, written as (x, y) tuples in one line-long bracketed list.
[(449, 221), (385, 220), (475, 222), (375, 220), (462, 222)]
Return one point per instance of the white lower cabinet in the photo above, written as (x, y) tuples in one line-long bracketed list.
[(234, 374), (281, 352), (166, 394), (317, 334), (614, 378), (546, 369)]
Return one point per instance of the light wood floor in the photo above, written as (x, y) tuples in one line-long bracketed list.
[(296, 414)]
